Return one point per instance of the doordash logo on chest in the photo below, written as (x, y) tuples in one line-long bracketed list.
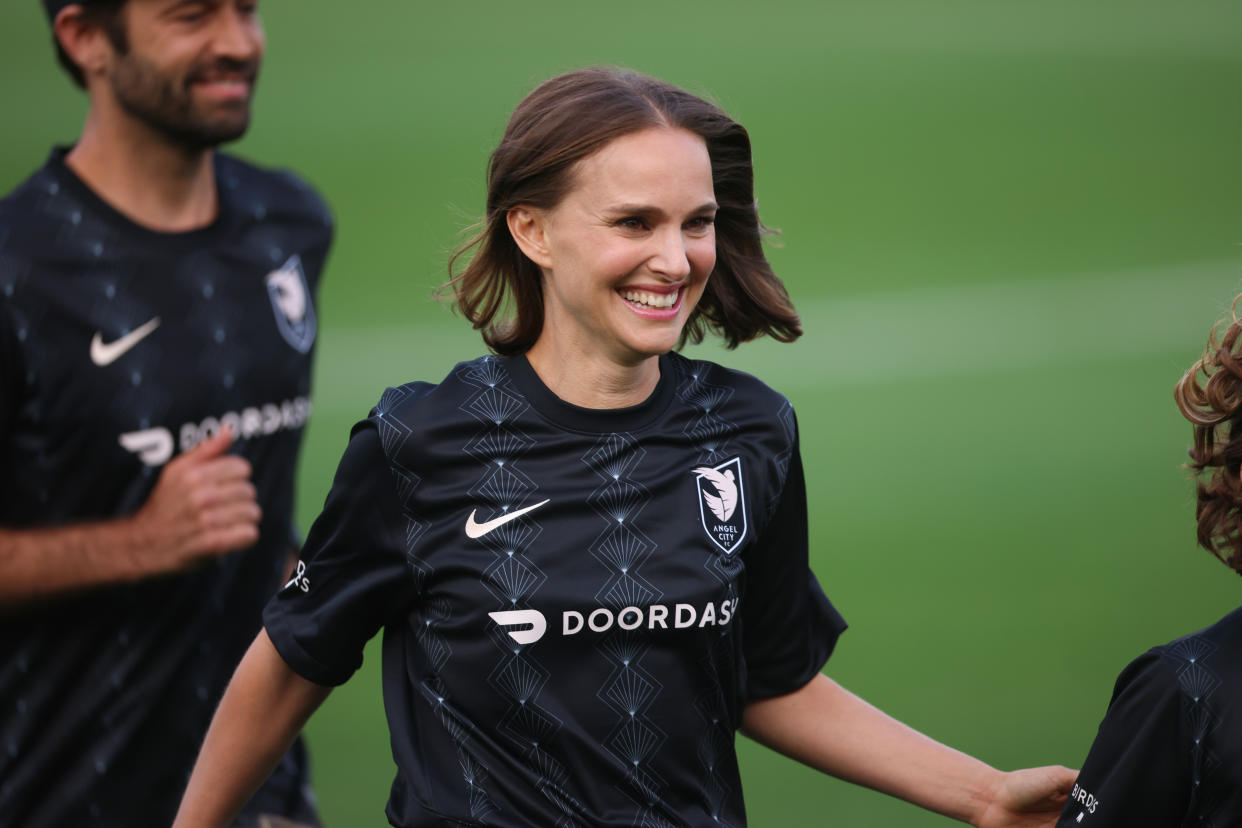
[(533, 624)]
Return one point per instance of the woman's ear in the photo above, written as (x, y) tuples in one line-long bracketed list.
[(528, 226)]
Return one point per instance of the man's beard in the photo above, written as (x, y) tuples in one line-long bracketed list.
[(166, 104)]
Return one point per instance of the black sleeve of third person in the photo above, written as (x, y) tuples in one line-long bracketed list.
[(789, 628), (1138, 769), (11, 378), (352, 577)]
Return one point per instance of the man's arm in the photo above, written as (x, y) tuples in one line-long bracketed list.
[(202, 506)]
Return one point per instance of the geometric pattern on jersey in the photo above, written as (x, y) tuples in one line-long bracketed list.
[(1190, 658), (393, 435), (707, 431), (784, 416), (622, 548), (513, 578)]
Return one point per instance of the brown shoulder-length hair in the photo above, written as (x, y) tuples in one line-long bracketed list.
[(1210, 396), (562, 122)]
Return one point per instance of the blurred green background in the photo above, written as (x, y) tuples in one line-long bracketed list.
[(1008, 225)]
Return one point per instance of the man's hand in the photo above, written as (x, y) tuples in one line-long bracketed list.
[(202, 506)]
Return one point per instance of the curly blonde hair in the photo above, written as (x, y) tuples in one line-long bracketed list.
[(1209, 394)]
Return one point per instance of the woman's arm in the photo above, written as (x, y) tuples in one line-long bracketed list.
[(825, 726), (262, 712)]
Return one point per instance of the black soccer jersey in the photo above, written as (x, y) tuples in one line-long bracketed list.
[(120, 347), (577, 604), (1169, 750)]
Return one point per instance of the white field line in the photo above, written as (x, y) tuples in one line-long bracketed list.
[(875, 338)]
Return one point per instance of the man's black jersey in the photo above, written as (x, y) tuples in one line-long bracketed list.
[(119, 348), (1169, 750), (577, 604)]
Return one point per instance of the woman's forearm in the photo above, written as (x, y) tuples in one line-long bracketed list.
[(262, 712), (825, 726)]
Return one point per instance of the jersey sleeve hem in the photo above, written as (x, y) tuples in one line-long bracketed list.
[(300, 661), (823, 632)]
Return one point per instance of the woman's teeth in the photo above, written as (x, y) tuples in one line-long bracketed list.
[(649, 299)]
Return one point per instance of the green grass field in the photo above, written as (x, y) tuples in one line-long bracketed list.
[(1009, 226)]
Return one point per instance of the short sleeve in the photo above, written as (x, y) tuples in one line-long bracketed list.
[(1137, 771), (789, 628), (352, 576)]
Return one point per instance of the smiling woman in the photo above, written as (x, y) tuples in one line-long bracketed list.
[(588, 553), (625, 257), (559, 127)]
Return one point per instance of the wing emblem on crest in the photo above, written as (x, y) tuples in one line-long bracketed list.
[(724, 501), (288, 294), (291, 304)]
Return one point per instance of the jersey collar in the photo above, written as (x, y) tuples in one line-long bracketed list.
[(592, 420)]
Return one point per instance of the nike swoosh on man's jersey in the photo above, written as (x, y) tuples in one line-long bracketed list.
[(106, 353), (478, 530)]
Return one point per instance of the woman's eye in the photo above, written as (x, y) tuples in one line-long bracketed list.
[(632, 223), (192, 12), (701, 224)]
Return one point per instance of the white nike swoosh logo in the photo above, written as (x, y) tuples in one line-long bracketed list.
[(478, 530), (106, 353)]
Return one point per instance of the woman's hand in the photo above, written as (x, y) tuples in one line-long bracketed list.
[(1030, 798)]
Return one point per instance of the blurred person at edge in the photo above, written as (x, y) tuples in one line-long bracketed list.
[(587, 552), (156, 333), (1169, 748)]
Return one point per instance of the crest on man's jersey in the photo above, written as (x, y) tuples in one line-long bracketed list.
[(722, 505), (291, 302)]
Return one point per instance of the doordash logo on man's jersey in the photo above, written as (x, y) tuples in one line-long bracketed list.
[(722, 503), (154, 446), (534, 624)]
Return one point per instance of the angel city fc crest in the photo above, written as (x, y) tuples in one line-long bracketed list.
[(291, 302), (722, 503)]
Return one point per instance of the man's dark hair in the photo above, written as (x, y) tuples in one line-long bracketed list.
[(103, 13)]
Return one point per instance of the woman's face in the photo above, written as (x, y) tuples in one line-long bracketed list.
[(628, 250)]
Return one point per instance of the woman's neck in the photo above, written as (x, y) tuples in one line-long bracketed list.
[(593, 383)]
